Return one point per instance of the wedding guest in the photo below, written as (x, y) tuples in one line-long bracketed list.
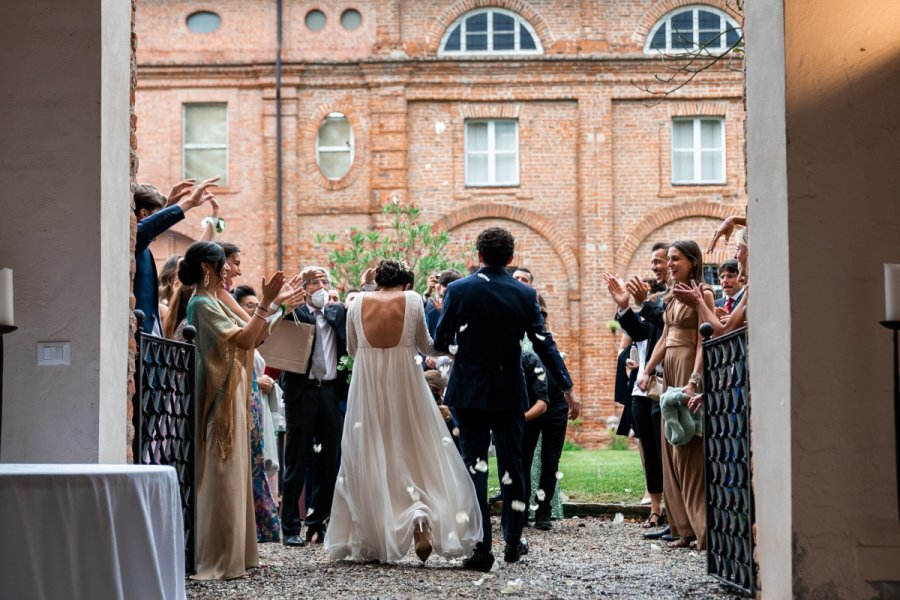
[(352, 294), (156, 214), (524, 275), (679, 351), (168, 284), (313, 416), (176, 315), (226, 536), (333, 297), (732, 288), (436, 302)]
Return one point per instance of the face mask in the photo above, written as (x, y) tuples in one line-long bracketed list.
[(319, 297)]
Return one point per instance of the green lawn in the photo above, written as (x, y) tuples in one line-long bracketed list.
[(604, 476)]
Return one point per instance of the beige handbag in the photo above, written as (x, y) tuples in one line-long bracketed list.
[(656, 388)]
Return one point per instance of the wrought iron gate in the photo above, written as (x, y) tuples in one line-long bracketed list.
[(730, 514), (165, 417)]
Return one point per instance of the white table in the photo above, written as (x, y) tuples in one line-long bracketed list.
[(90, 532)]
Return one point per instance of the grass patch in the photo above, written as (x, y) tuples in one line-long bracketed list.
[(605, 476)]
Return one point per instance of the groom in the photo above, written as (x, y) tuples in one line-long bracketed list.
[(485, 317)]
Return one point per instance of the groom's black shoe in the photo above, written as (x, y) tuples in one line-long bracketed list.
[(482, 561), (513, 552), (293, 540)]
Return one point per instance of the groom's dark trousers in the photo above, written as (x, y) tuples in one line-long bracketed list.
[(484, 319)]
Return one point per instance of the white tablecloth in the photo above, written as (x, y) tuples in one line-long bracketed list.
[(92, 532)]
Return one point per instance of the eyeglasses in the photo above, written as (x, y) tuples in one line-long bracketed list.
[(251, 306)]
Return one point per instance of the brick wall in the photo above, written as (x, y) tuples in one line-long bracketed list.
[(595, 185)]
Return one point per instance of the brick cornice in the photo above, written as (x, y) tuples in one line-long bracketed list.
[(557, 240), (525, 10), (685, 210)]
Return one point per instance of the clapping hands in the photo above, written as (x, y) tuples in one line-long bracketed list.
[(691, 295), (292, 293)]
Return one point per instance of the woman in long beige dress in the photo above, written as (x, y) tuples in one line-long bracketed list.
[(226, 527), (679, 351)]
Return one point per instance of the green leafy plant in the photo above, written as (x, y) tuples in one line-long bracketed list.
[(406, 239), (613, 327), (619, 442), (346, 364)]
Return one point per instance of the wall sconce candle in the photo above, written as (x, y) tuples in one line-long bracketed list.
[(891, 292), (6, 296)]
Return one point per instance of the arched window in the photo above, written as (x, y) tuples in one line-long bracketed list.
[(490, 31), (334, 146), (694, 29)]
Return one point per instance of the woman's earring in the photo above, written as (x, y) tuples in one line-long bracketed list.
[(206, 280)]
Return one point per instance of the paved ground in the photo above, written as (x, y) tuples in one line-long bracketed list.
[(580, 558)]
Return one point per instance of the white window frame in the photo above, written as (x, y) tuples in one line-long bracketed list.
[(319, 148), (461, 21), (491, 154), (697, 151), (185, 146), (666, 21)]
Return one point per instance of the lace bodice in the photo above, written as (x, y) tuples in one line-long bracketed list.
[(415, 333)]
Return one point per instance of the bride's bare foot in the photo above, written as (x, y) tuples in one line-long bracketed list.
[(422, 537)]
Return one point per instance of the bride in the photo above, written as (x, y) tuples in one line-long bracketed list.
[(401, 477)]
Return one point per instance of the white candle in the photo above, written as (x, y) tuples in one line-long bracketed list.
[(892, 292), (6, 296)]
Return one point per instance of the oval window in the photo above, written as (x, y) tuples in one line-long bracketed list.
[(315, 20), (204, 22), (351, 19), (334, 146)]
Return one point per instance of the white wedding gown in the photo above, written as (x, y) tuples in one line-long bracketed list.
[(398, 461)]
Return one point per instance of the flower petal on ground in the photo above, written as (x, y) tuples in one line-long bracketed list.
[(618, 519), (513, 586)]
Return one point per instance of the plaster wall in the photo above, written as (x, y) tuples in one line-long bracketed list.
[(64, 231), (825, 216)]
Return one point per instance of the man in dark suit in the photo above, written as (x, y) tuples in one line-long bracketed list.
[(156, 214), (732, 290), (485, 317), (312, 406)]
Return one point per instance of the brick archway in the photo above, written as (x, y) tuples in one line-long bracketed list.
[(532, 220), (440, 25), (660, 8), (699, 208)]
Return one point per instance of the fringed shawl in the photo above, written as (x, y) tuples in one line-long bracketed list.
[(222, 367)]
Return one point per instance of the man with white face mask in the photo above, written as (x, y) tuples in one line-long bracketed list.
[(312, 405)]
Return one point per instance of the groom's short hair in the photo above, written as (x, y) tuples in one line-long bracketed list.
[(496, 246)]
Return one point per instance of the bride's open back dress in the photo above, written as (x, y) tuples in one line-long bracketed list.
[(398, 461)]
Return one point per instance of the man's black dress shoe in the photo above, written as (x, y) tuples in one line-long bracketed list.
[(543, 523), (482, 561), (293, 540), (315, 535), (655, 535), (513, 552), (494, 499)]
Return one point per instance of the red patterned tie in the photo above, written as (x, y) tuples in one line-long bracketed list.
[(729, 304)]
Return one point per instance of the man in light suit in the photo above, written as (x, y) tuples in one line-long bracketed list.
[(485, 316), (312, 406)]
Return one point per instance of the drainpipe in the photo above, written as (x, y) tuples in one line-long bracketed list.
[(278, 159)]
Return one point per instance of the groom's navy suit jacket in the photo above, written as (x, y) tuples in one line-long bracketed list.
[(487, 315)]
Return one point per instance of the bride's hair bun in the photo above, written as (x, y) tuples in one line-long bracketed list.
[(190, 271), (390, 273)]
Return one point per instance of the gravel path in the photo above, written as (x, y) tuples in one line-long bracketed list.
[(579, 558)]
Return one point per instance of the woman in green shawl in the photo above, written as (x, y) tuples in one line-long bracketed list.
[(226, 528)]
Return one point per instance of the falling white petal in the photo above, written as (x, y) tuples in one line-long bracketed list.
[(472, 470), (446, 441), (540, 337), (413, 493), (541, 377), (462, 517), (418, 359), (563, 356), (559, 475), (453, 348), (451, 535), (317, 448), (541, 495), (340, 480), (538, 370), (533, 507), (463, 327), (310, 511), (483, 276), (357, 426), (506, 479), (455, 432), (618, 519), (481, 466), (518, 506), (513, 586)]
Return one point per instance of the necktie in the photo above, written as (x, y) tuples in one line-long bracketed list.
[(317, 369), (729, 304)]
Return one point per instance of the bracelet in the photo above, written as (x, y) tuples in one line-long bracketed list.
[(274, 306), (256, 314), (695, 379), (217, 223)]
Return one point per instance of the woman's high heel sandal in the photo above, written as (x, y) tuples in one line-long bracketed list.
[(422, 537)]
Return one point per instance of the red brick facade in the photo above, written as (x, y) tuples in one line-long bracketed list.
[(594, 152)]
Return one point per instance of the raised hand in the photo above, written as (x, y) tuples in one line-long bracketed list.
[(367, 277), (725, 229), (638, 289), (179, 191), (199, 194), (616, 290), (691, 295), (271, 288)]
